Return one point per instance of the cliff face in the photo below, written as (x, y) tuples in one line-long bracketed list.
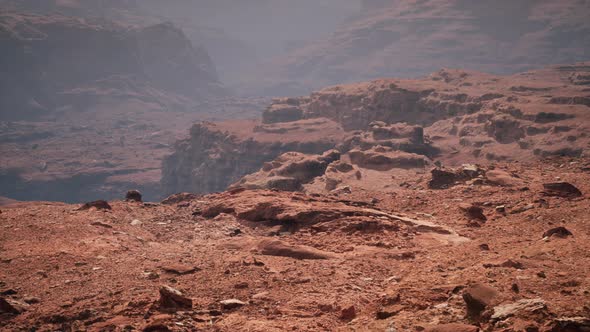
[(217, 155), (47, 61), (412, 38), (452, 116)]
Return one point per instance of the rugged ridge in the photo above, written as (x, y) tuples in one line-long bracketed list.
[(451, 116)]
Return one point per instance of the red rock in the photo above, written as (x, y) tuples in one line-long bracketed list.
[(478, 297), (171, 298), (179, 269), (454, 327), (348, 313), (561, 189), (280, 248)]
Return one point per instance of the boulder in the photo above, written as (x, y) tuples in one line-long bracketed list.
[(561, 232), (384, 159), (348, 313), (280, 248), (477, 298), (473, 211), (11, 306), (133, 196), (522, 308), (172, 299), (289, 171), (561, 189), (442, 178)]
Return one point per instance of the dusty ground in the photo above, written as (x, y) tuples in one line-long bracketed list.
[(101, 270)]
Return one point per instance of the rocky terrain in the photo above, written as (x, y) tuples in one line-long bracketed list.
[(448, 118), (413, 38), (479, 255)]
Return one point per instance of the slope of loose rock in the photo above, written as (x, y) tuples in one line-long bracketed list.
[(248, 259)]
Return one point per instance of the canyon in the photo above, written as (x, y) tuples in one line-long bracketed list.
[(266, 165)]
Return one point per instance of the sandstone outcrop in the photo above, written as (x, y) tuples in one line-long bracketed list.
[(217, 155), (450, 117), (289, 171)]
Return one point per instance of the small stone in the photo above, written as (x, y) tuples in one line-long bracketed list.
[(99, 223), (501, 209), (523, 209), (232, 304), (260, 296), (31, 300), (180, 269), (171, 298), (515, 288), (133, 196), (348, 313), (560, 232), (136, 222), (241, 285)]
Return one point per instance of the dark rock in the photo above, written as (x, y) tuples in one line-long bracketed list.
[(441, 179), (348, 313), (508, 263), (100, 205), (570, 324), (561, 232), (453, 327), (156, 327), (473, 211), (10, 306), (133, 196), (561, 189), (172, 299), (477, 298)]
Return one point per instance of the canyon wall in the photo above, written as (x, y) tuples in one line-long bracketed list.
[(451, 116), (53, 61)]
